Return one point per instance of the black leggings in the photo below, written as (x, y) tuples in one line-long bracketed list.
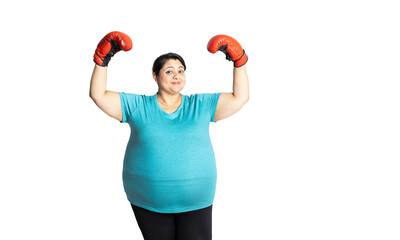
[(193, 225)]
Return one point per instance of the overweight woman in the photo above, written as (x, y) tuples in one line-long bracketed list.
[(169, 170)]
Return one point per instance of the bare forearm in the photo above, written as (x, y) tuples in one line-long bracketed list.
[(240, 84), (98, 82)]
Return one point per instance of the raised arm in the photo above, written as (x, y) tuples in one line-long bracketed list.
[(108, 101), (230, 103)]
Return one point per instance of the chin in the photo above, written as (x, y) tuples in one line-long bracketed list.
[(177, 90)]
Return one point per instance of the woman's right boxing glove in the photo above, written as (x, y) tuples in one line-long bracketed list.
[(228, 45), (109, 45)]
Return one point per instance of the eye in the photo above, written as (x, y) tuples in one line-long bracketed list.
[(181, 71), (169, 71)]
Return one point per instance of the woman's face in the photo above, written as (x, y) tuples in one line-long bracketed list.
[(172, 77)]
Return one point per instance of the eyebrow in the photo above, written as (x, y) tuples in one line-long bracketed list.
[(173, 67)]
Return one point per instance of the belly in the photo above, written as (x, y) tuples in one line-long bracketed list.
[(170, 195), (170, 174)]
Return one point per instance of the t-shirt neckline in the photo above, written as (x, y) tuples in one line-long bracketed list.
[(169, 115)]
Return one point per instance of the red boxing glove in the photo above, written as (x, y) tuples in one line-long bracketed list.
[(228, 45), (109, 45)]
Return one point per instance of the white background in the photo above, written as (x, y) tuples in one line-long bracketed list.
[(313, 155)]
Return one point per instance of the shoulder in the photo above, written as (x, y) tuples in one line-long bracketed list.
[(133, 96), (135, 100), (203, 96)]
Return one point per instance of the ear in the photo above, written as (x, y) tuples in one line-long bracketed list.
[(155, 77)]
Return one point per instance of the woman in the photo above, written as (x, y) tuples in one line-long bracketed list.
[(169, 171)]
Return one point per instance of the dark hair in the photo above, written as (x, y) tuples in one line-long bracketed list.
[(161, 60)]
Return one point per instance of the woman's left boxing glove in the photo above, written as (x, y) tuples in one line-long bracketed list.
[(228, 45), (109, 45)]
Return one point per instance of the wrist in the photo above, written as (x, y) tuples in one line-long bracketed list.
[(241, 61)]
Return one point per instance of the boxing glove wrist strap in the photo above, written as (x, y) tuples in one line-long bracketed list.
[(114, 49), (229, 58), (244, 53)]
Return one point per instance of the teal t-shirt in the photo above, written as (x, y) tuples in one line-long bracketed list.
[(169, 163)]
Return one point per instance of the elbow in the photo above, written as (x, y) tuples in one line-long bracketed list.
[(92, 96), (245, 100), (95, 95), (242, 98), (242, 101), (91, 93), (95, 98)]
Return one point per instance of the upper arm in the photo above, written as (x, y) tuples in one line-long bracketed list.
[(227, 105), (110, 103)]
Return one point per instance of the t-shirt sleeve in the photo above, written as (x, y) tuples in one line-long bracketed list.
[(210, 101), (129, 103)]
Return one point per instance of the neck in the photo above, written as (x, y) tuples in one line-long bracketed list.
[(168, 99)]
